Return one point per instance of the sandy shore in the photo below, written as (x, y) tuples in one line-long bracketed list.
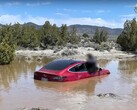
[(81, 52)]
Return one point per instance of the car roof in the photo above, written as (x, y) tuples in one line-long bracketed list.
[(69, 61), (60, 64)]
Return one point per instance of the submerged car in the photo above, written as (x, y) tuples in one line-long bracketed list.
[(63, 70)]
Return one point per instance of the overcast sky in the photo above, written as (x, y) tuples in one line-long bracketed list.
[(110, 13)]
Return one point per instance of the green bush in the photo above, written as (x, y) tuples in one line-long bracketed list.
[(105, 46), (100, 36), (128, 38), (6, 53)]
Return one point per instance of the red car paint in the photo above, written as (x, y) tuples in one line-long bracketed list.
[(66, 74)]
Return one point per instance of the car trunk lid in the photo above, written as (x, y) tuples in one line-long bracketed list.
[(48, 75)]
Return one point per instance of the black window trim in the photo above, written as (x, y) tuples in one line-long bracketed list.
[(76, 72)]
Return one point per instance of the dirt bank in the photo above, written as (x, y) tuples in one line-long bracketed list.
[(78, 53)]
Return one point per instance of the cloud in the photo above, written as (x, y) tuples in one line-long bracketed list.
[(70, 10), (90, 21), (131, 6), (85, 11), (37, 19), (61, 14), (14, 3), (102, 11), (128, 17), (6, 19), (76, 10), (64, 15), (38, 3)]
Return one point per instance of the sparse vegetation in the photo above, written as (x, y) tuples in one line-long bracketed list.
[(100, 36), (128, 38), (6, 53), (28, 36), (85, 35)]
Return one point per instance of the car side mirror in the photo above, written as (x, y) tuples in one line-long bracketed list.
[(100, 69)]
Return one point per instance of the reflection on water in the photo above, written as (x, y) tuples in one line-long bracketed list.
[(103, 63), (128, 66), (18, 89), (11, 73), (86, 85)]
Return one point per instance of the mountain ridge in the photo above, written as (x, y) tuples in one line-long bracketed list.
[(89, 29)]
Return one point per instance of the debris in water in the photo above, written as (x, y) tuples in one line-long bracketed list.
[(111, 95)]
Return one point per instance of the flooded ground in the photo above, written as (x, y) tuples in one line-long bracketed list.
[(18, 89)]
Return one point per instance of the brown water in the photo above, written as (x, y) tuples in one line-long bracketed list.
[(18, 89)]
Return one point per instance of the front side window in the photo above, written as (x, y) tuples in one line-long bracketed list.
[(78, 68)]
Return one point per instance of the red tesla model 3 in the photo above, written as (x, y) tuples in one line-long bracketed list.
[(63, 70)]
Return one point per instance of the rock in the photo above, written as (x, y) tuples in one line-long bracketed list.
[(60, 47), (28, 58), (111, 95), (39, 108), (43, 45), (102, 47), (50, 47), (90, 49), (75, 46), (86, 44), (69, 52), (69, 45), (82, 41), (118, 47), (56, 50), (20, 48), (36, 48), (80, 44), (105, 46), (39, 58), (97, 47)]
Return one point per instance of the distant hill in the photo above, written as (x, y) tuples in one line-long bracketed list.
[(89, 29), (33, 24)]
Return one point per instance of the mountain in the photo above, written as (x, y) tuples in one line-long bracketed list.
[(33, 24), (89, 29)]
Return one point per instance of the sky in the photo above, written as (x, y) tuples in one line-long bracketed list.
[(108, 13)]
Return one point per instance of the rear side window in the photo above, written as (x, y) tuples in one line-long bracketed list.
[(59, 64), (78, 68)]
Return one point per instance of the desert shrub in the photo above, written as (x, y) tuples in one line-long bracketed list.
[(6, 53)]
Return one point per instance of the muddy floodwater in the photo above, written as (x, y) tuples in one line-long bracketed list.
[(18, 89)]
